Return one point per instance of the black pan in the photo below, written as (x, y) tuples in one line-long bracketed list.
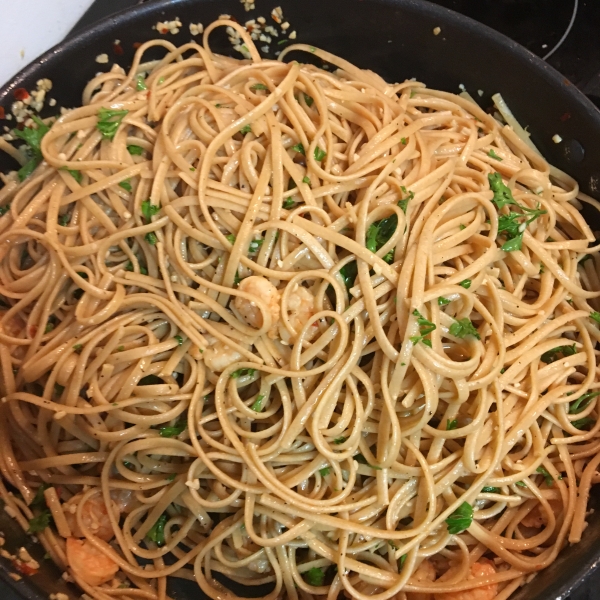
[(394, 38)]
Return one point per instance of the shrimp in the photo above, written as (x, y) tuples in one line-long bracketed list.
[(425, 573), (219, 356), (94, 516), (301, 306), (484, 592), (88, 563), (263, 290), (538, 517)]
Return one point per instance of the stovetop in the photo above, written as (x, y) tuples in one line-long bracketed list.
[(563, 32)]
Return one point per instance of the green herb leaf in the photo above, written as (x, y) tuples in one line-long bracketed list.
[(76, 175), (460, 519), (466, 284), (125, 185), (135, 150), (78, 348), (451, 424), (319, 154), (558, 353), (403, 141), (582, 402), (140, 85), (490, 490), (4, 209), (64, 219), (309, 101), (288, 203), (502, 193), (109, 121), (581, 423), (380, 232), (230, 238), (547, 477), (149, 209), (259, 86), (324, 471), (257, 405), (521, 484), (514, 244), (349, 273), (306, 179), (314, 576), (492, 154), (39, 499), (596, 316), (151, 238), (179, 340), (425, 328), (255, 246), (243, 373), (40, 522), (463, 327), (402, 560), (462, 227), (157, 532), (173, 430), (299, 148), (245, 129), (33, 138), (340, 440), (443, 301), (359, 458)]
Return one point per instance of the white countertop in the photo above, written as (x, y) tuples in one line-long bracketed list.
[(30, 27)]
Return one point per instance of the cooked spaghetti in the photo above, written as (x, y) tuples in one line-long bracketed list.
[(298, 327)]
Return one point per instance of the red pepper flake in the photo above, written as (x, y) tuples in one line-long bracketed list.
[(21, 94), (164, 30), (23, 568), (33, 331), (148, 95), (118, 49), (565, 117), (2, 115), (136, 45)]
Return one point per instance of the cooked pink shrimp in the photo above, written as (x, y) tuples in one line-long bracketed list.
[(263, 290), (301, 306), (538, 517), (94, 515), (88, 563), (424, 573), (219, 356), (484, 592)]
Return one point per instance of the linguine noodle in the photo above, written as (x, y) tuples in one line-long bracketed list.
[(299, 328)]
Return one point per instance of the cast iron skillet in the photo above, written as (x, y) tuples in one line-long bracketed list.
[(394, 38)]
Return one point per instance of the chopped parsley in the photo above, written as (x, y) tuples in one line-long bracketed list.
[(502, 193), (349, 273), (309, 101), (299, 148), (157, 532), (179, 340), (33, 138), (581, 423), (463, 327), (451, 424), (109, 121), (76, 175), (582, 402), (259, 86), (490, 490), (288, 203), (359, 458), (230, 238), (340, 440), (4, 209), (149, 209), (39, 498), (40, 522), (306, 179), (151, 238), (257, 404), (135, 150), (492, 154), (465, 284), (521, 484), (173, 430), (319, 154), (64, 219), (558, 353), (460, 519), (125, 185), (314, 576), (243, 373), (255, 246), (245, 129), (379, 233), (78, 348), (140, 84), (443, 301), (596, 316), (425, 328), (324, 471), (547, 477)]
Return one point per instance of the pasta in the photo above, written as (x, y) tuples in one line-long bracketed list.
[(297, 327)]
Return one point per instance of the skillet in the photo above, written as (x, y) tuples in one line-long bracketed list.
[(394, 38)]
